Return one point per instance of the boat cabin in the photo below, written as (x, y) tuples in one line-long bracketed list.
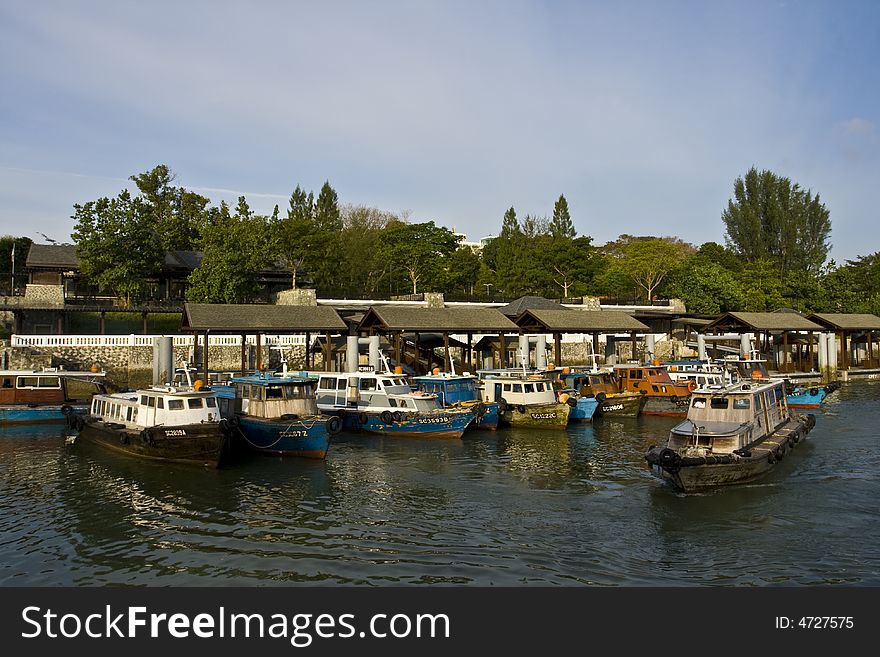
[(519, 390), (652, 380), (159, 405), (48, 386), (590, 383), (269, 396), (450, 389), (359, 389)]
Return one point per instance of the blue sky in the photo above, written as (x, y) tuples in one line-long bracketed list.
[(642, 113)]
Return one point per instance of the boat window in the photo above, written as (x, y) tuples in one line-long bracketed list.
[(719, 402), (160, 402), (49, 382), (274, 392), (517, 387), (699, 402), (128, 414), (143, 400), (175, 404), (151, 402), (779, 393), (27, 382), (529, 387), (595, 380), (194, 402), (506, 387), (392, 402), (328, 384), (7, 382), (368, 384), (741, 402), (634, 374), (758, 402), (656, 389), (211, 402)]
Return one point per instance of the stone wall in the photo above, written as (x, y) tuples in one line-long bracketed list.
[(297, 297)]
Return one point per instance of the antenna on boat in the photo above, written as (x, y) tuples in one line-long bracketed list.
[(595, 358), (385, 363), (185, 369)]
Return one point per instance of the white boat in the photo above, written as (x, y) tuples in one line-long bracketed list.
[(164, 423), (524, 399)]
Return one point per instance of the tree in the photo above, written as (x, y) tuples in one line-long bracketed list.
[(560, 225), (176, 211), (116, 244), (19, 246), (647, 262), (235, 250), (761, 286), (706, 287), (769, 217), (418, 252)]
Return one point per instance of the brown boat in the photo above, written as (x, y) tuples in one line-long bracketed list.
[(664, 396)]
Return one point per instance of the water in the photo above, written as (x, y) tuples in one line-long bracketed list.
[(514, 508)]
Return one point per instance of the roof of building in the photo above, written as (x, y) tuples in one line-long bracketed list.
[(441, 320), (517, 307), (847, 321), (234, 318), (52, 256), (180, 259), (578, 321), (764, 322)]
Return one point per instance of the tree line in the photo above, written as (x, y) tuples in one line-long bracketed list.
[(775, 252)]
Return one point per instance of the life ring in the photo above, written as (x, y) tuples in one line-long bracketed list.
[(601, 397), (571, 401), (521, 408), (66, 409), (692, 385), (362, 418), (813, 392), (397, 415), (334, 425), (387, 417)]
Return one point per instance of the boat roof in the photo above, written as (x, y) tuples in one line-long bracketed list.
[(739, 388), (707, 427), (54, 371), (272, 380), (445, 376)]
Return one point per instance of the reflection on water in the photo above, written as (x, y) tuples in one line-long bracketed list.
[(507, 508)]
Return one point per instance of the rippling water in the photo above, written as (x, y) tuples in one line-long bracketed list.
[(512, 508)]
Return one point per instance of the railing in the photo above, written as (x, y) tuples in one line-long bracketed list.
[(148, 340)]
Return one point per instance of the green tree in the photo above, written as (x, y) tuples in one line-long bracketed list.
[(11, 278), (706, 287), (176, 212), (647, 262), (235, 251), (560, 225), (116, 245), (417, 252), (769, 217), (762, 290)]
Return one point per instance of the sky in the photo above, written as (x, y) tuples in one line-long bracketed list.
[(642, 114)]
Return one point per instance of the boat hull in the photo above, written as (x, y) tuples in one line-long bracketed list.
[(666, 406), (693, 474), (305, 438), (584, 410), (442, 424), (537, 415), (624, 405), (38, 413), (194, 444)]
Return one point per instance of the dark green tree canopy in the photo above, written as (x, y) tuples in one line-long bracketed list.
[(769, 217), (560, 225)]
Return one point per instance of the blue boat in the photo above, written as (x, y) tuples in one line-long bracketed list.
[(277, 415), (385, 404), (810, 398), (460, 391), (41, 396)]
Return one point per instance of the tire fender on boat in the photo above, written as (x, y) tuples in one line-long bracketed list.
[(387, 417), (334, 425), (362, 418)]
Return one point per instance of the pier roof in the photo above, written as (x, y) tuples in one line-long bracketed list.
[(578, 321), (519, 306), (235, 318), (847, 321), (440, 320), (784, 321), (52, 256)]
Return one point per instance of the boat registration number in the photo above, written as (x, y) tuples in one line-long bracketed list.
[(175, 432), (543, 416), (433, 420), (294, 433), (613, 407)]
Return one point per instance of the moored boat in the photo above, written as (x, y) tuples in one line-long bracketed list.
[(663, 395), (276, 415), (460, 391), (384, 403), (808, 397), (603, 386), (38, 396), (528, 400), (733, 433), (161, 423)]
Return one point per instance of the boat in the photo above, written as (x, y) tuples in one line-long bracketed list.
[(38, 396), (734, 433), (602, 385), (460, 391), (702, 373), (160, 423), (384, 403), (525, 400), (276, 415), (663, 395), (808, 397)]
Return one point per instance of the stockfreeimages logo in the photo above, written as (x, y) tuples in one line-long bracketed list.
[(300, 629)]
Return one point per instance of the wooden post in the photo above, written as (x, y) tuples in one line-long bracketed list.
[(632, 335), (60, 323), (502, 351), (397, 342), (144, 315), (470, 358), (843, 364), (259, 351), (870, 349), (205, 358), (785, 349), (557, 349), (446, 367), (308, 356), (103, 326), (596, 344), (328, 350), (244, 362)]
